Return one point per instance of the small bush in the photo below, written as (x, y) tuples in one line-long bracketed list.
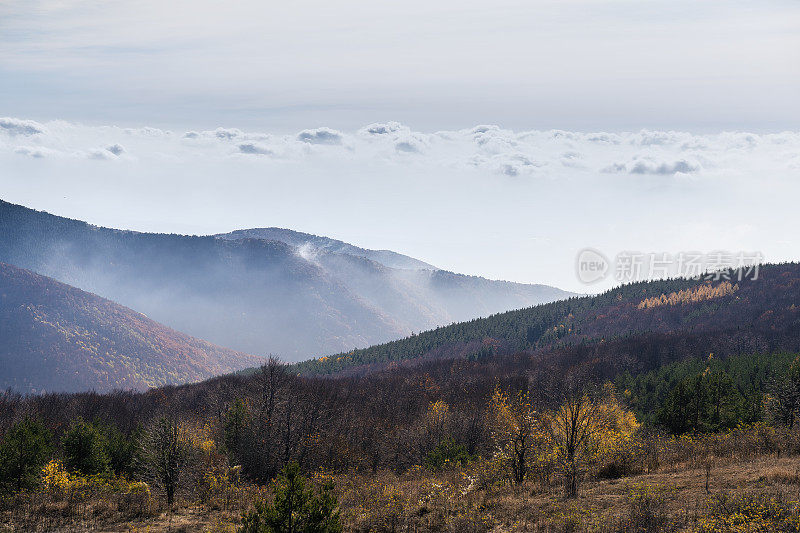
[(294, 508), (446, 453), (647, 507), (750, 512), (135, 501)]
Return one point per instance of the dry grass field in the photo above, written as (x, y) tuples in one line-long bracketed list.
[(758, 494)]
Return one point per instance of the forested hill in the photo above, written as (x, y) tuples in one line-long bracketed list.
[(54, 337), (298, 297), (683, 316)]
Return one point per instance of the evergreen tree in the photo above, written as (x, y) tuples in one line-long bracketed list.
[(85, 449), (707, 401), (784, 398), (295, 509), (24, 450)]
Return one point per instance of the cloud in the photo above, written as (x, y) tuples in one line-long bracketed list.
[(387, 181), (663, 168), (254, 148), (116, 149), (656, 138), (227, 134), (147, 132), (320, 136), (99, 155), (381, 128), (30, 151), (615, 168), (409, 147), (15, 126)]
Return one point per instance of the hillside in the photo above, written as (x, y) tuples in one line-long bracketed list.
[(626, 325), (256, 295), (58, 338)]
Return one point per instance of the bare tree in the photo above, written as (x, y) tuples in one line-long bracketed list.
[(164, 456)]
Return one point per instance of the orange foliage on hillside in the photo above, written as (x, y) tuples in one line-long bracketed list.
[(697, 294)]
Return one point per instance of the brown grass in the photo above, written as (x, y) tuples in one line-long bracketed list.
[(457, 501)]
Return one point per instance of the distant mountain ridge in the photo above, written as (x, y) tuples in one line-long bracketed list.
[(312, 244), (56, 338), (257, 295)]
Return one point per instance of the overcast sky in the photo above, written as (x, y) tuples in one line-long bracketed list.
[(514, 202), (569, 64)]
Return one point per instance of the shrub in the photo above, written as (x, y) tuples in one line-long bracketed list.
[(647, 507), (295, 508), (750, 512), (135, 501), (447, 452)]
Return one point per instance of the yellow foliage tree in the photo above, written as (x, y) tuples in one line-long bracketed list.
[(585, 430), (515, 430), (698, 294)]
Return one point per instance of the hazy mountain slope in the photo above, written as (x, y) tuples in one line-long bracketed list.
[(416, 294), (693, 318), (252, 294), (315, 243), (54, 337)]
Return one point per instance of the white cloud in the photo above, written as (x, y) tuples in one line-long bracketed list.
[(392, 129), (15, 126), (116, 149), (222, 133), (320, 136), (650, 165), (255, 148), (34, 152), (663, 168)]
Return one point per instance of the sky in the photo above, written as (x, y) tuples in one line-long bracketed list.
[(496, 138)]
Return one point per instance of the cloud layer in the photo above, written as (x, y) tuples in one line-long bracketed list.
[(489, 149), (484, 200)]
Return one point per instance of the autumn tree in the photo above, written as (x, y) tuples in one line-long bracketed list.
[(573, 427), (435, 426), (513, 426)]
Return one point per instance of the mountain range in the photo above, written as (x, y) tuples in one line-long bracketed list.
[(259, 291)]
